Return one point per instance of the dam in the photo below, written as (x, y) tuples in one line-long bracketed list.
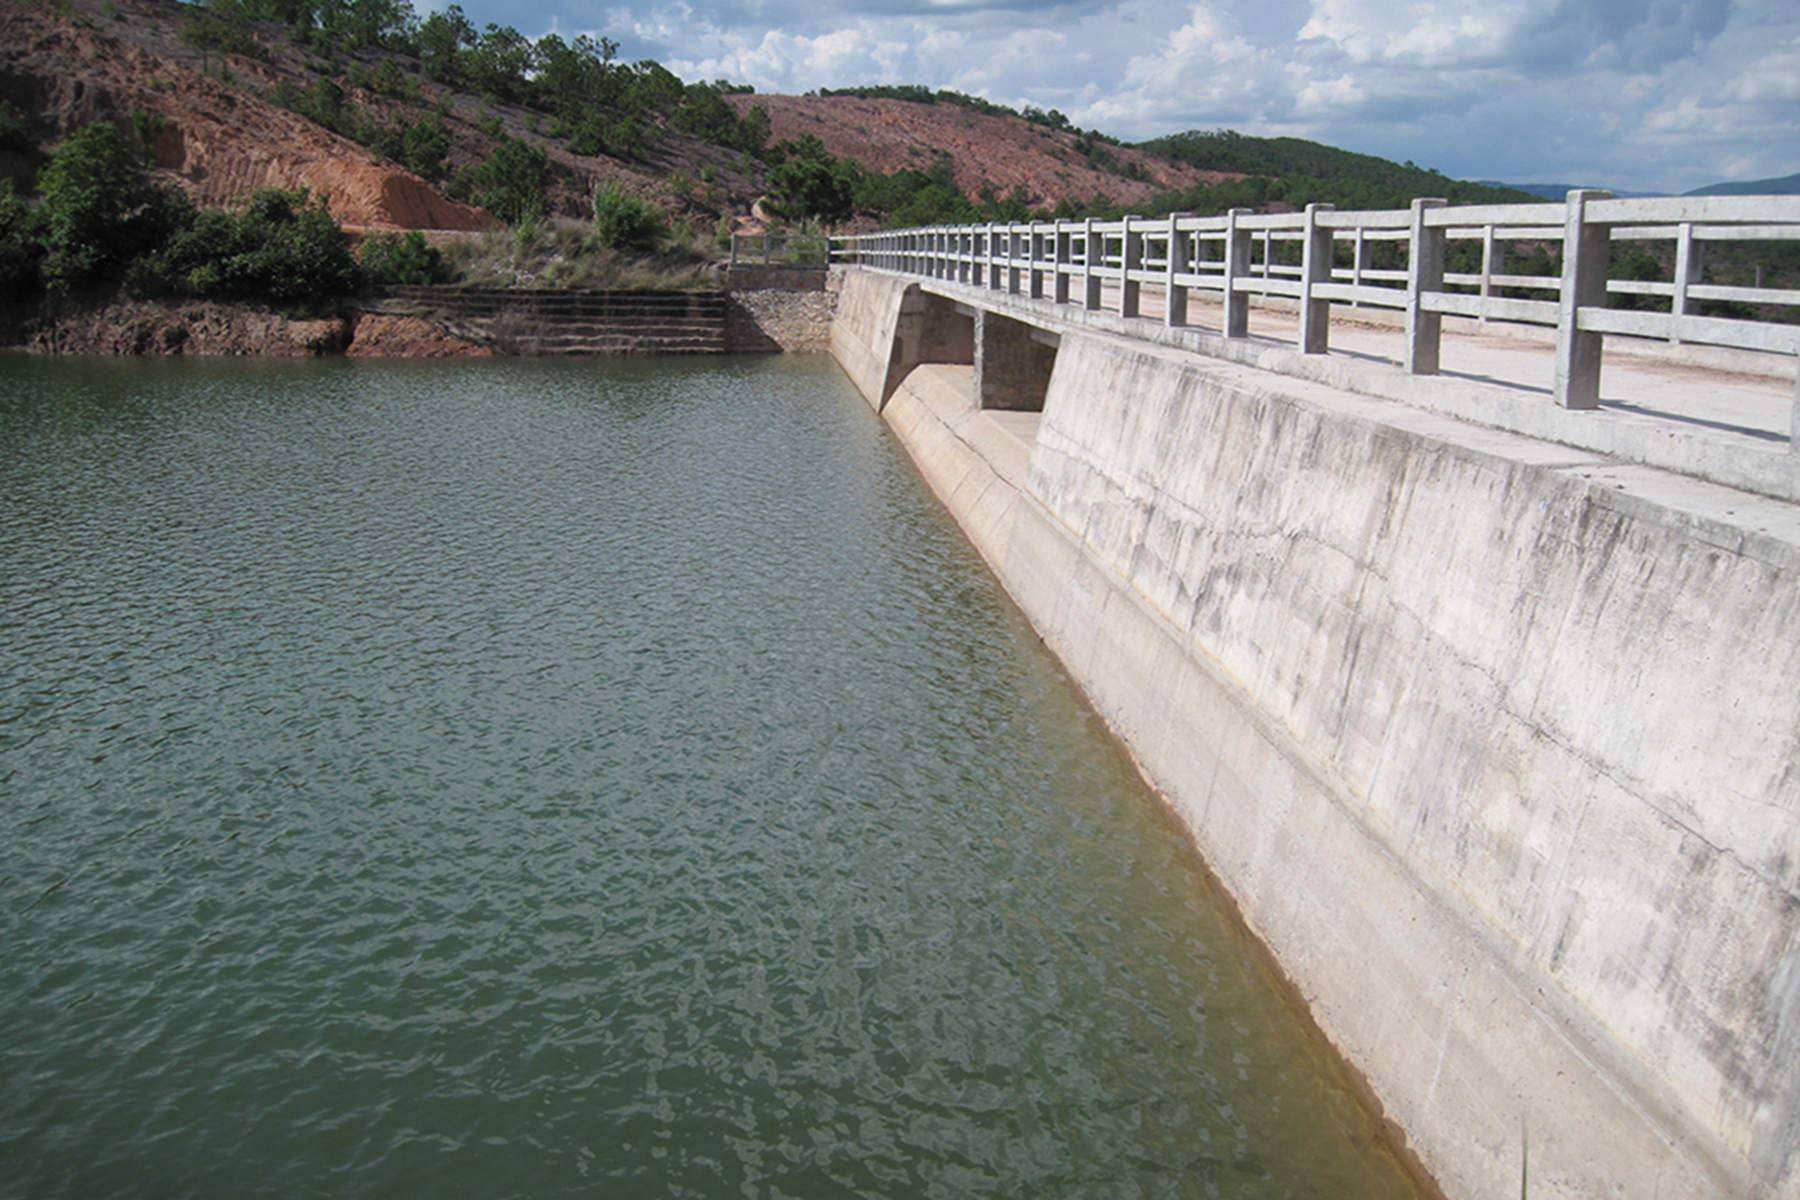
[(1480, 696)]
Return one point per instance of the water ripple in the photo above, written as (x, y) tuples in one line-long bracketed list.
[(542, 779)]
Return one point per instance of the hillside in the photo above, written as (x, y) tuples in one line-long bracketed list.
[(226, 110), (1786, 185), (424, 123), (993, 153), (1314, 172)]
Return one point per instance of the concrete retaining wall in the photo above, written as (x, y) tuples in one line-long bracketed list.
[(1501, 761)]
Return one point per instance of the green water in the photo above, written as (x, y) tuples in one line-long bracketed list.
[(523, 779)]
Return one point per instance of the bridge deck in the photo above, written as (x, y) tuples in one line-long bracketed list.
[(1723, 416)]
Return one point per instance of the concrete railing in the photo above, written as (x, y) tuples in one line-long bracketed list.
[(1239, 258)]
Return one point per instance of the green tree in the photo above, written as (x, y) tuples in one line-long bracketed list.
[(100, 209), (423, 148), (513, 183), (811, 183)]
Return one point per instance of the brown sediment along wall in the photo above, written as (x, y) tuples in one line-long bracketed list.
[(1502, 763)]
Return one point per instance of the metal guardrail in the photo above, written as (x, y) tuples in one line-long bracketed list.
[(1237, 257)]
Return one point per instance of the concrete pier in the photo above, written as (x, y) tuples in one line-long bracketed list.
[(1494, 738)]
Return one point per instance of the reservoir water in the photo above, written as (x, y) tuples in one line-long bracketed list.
[(572, 779)]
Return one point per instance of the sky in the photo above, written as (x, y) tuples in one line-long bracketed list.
[(1639, 95)]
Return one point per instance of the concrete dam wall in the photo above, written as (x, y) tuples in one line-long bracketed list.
[(1496, 749)]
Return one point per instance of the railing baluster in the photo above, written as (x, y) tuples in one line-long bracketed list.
[(1315, 268), (1065, 263), (1090, 298), (1237, 269), (1424, 273), (1688, 266), (1586, 248), (1175, 295), (1131, 260)]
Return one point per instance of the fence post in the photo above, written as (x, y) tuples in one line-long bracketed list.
[(1315, 268), (1689, 263), (1037, 262), (1131, 258), (734, 238), (1586, 247), (1424, 273), (1362, 261), (1493, 261), (1175, 296), (1090, 297), (1237, 267), (1065, 264)]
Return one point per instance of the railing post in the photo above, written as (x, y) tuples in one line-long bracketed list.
[(1268, 241), (1090, 297), (1237, 267), (1175, 296), (1493, 261), (1065, 264), (1131, 258), (1361, 261), (1689, 263), (1315, 268), (1013, 275), (1586, 247), (734, 238), (1424, 273), (1037, 262)]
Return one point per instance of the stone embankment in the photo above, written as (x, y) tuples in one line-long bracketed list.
[(540, 322), (780, 313), (209, 329)]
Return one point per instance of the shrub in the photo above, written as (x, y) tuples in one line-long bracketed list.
[(19, 251), (388, 258), (627, 222), (284, 247)]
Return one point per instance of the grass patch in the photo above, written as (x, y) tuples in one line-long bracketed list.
[(561, 253)]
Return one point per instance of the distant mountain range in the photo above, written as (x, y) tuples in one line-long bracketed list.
[(1556, 191), (1786, 185)]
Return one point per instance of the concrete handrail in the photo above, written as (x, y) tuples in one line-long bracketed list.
[(1240, 255)]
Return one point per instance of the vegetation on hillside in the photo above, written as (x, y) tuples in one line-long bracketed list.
[(493, 118), (100, 223)]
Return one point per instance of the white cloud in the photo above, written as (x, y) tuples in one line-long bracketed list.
[(1634, 93)]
